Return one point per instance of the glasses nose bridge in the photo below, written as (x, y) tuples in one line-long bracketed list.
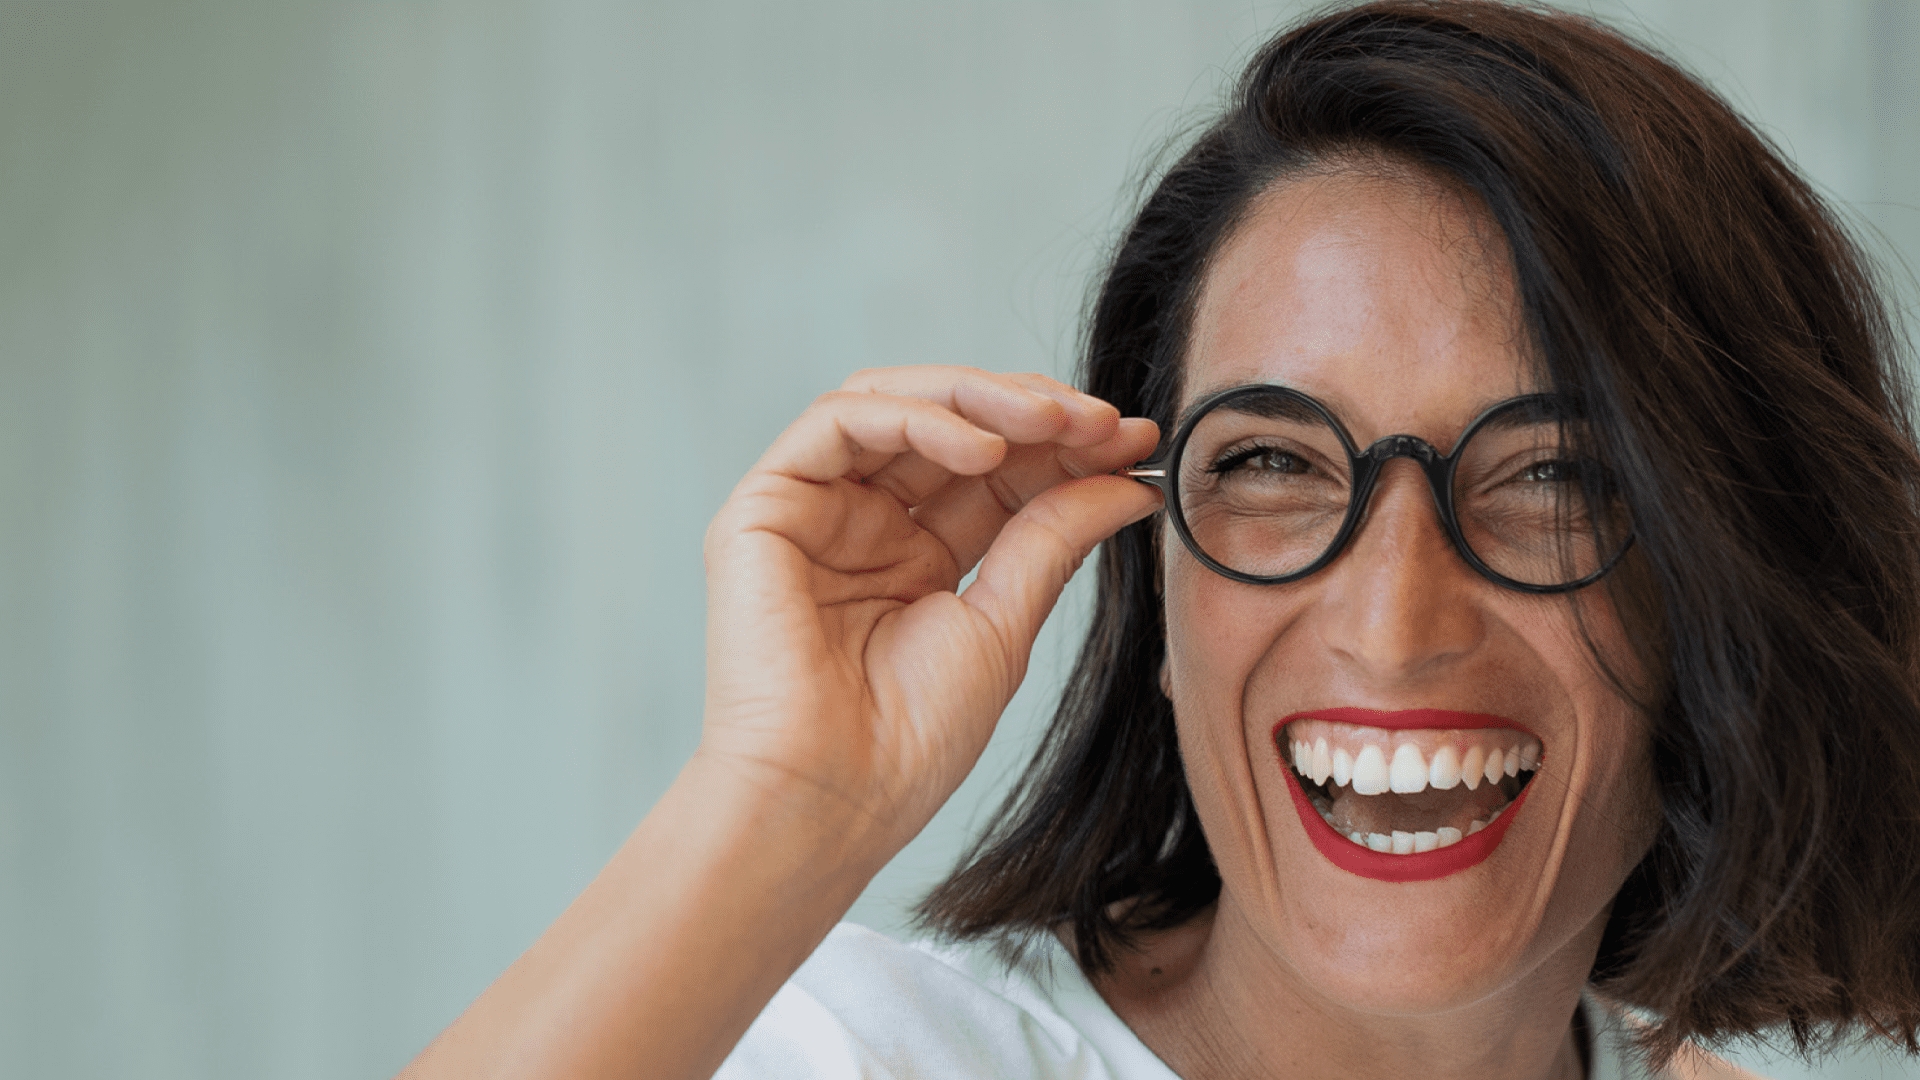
[(1432, 465), (1407, 446), (1423, 453)]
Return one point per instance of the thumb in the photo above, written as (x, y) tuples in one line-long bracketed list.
[(1030, 561)]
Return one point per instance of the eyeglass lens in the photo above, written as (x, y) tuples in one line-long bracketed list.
[(1265, 485)]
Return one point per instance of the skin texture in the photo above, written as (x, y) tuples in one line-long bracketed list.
[(1388, 296)]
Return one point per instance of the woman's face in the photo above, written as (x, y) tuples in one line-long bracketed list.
[(1390, 298)]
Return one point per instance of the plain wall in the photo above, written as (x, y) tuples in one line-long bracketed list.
[(368, 373)]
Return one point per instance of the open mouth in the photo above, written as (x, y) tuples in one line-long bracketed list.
[(1406, 796)]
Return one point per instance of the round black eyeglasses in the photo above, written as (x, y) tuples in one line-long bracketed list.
[(1265, 486)]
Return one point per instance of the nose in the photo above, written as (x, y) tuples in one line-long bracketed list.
[(1400, 604)]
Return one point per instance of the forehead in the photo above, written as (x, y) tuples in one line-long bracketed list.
[(1389, 296)]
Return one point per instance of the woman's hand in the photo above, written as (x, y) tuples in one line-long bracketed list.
[(849, 690), (841, 664)]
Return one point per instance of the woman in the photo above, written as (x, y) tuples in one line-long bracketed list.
[(1369, 766)]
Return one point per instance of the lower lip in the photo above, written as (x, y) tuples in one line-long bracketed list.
[(1383, 866)]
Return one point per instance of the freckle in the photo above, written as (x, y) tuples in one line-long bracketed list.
[(1156, 971)]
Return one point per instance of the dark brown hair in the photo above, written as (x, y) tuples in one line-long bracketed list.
[(1694, 297)]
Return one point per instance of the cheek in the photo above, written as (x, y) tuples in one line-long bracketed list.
[(1204, 670), (1219, 635), (1614, 694), (1615, 816), (1609, 774), (1218, 631), (1623, 793)]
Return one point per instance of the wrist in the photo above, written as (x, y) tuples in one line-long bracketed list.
[(812, 822)]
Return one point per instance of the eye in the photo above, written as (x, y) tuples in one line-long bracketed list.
[(1551, 471), (1260, 460)]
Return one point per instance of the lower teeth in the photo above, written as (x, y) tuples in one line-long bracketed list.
[(1408, 843)]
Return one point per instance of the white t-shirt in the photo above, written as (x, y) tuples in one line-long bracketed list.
[(866, 1007)]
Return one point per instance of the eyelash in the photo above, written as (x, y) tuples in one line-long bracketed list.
[(1229, 462), (1234, 460)]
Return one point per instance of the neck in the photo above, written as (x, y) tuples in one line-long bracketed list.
[(1215, 1003)]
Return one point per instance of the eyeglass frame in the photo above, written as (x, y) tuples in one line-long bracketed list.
[(1364, 467)]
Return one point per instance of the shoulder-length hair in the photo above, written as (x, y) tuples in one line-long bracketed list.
[(1689, 291)]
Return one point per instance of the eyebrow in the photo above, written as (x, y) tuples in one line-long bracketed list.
[(1550, 409), (1265, 406)]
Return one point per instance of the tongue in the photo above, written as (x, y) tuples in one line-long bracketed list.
[(1425, 811)]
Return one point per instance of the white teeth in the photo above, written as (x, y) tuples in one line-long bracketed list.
[(1407, 770), (1400, 842), (1408, 773), (1473, 767), (1370, 773)]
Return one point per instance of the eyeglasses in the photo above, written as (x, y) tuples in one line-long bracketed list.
[(1265, 486)]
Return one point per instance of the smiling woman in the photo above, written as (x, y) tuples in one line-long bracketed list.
[(1370, 286), (1412, 213), (1507, 656)]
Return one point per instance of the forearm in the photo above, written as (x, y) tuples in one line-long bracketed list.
[(660, 965)]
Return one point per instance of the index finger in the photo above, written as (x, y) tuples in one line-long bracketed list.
[(1005, 402)]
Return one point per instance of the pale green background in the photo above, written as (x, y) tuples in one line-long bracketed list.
[(368, 373)]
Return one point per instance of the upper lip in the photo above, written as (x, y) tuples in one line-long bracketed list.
[(1407, 719)]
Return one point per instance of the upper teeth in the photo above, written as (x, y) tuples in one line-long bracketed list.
[(1376, 765)]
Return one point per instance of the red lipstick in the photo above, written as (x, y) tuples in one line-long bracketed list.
[(1380, 865)]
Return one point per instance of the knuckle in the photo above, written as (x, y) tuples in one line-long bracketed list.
[(726, 525), (911, 376), (757, 499), (838, 398), (842, 402), (1047, 517)]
